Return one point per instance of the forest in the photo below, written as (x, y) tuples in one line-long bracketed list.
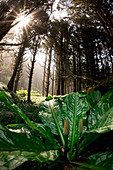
[(56, 84)]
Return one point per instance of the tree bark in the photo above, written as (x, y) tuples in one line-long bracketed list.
[(62, 64), (31, 73), (79, 65), (48, 73), (92, 61), (58, 75), (74, 71), (44, 75), (17, 63), (18, 77), (53, 83)]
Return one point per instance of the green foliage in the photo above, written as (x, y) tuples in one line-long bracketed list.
[(48, 98), (35, 96), (16, 109), (65, 109), (101, 113), (74, 108), (22, 93), (39, 138), (23, 105), (35, 93), (25, 146), (103, 159), (94, 98), (11, 160)]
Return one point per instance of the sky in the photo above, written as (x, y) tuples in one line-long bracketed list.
[(58, 14)]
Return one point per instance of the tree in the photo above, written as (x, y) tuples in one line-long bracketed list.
[(17, 63), (100, 10), (32, 69), (48, 73), (18, 76), (11, 9), (44, 76), (7, 16), (52, 92)]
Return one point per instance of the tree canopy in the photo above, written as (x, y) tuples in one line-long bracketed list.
[(76, 37)]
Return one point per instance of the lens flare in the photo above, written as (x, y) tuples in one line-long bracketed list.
[(23, 20)]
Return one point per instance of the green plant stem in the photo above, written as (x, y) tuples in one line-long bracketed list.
[(76, 151), (66, 146), (58, 127), (66, 133), (73, 129)]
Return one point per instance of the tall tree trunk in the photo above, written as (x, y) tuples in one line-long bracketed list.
[(97, 66), (44, 75), (111, 58), (62, 64), (48, 73), (58, 76), (92, 61), (31, 73), (85, 45), (17, 63), (53, 83), (77, 72), (18, 77), (79, 65), (74, 71)]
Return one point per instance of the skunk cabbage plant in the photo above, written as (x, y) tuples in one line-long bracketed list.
[(78, 119)]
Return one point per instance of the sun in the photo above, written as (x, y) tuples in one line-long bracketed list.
[(23, 20)]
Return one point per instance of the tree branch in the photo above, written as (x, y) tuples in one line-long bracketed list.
[(86, 78), (81, 77), (5, 44)]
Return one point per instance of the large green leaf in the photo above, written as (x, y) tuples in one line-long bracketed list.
[(11, 160), (68, 112), (13, 141), (46, 114), (22, 128), (93, 98), (104, 159), (105, 123), (101, 114), (100, 121), (14, 147)]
